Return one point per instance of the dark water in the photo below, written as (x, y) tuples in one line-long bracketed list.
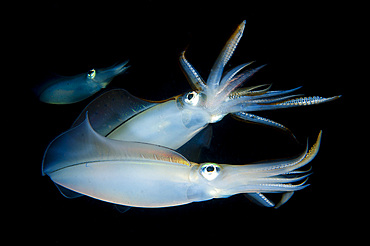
[(295, 41)]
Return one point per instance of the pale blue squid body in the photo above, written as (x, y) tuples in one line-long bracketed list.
[(173, 122), (145, 175), (164, 124), (72, 89)]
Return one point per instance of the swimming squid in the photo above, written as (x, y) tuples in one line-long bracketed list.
[(83, 162), (72, 89), (173, 122)]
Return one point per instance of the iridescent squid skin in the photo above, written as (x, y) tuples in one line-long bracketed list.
[(72, 89), (173, 122), (135, 174)]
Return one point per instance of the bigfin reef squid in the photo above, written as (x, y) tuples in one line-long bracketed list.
[(159, 128), (173, 122), (83, 162), (72, 89)]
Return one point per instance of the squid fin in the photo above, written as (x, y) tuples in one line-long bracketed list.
[(67, 192), (111, 109), (122, 208), (82, 145)]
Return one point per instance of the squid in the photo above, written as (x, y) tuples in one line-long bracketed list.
[(83, 162), (173, 122), (72, 89)]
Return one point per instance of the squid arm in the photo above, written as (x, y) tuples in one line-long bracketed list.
[(224, 95)]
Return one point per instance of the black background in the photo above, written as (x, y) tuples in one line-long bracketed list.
[(302, 44)]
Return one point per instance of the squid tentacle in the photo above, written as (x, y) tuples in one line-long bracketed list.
[(194, 78), (244, 116), (229, 87), (249, 91), (275, 179), (231, 74), (223, 96), (225, 55), (282, 167), (275, 187), (289, 103), (276, 93), (220, 98), (261, 98), (278, 187)]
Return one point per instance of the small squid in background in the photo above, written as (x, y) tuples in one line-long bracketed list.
[(72, 89), (173, 122), (82, 162)]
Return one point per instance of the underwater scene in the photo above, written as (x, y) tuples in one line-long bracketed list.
[(152, 117)]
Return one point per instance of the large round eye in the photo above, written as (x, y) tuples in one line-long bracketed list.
[(192, 98), (210, 171), (91, 74)]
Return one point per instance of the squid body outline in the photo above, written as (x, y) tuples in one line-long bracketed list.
[(136, 174)]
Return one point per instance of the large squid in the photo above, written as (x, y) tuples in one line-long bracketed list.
[(173, 122), (82, 162)]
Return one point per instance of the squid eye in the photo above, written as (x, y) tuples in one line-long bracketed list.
[(91, 74), (210, 171), (192, 98)]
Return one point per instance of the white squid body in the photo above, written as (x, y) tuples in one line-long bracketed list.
[(121, 116), (145, 175), (166, 124), (66, 90)]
